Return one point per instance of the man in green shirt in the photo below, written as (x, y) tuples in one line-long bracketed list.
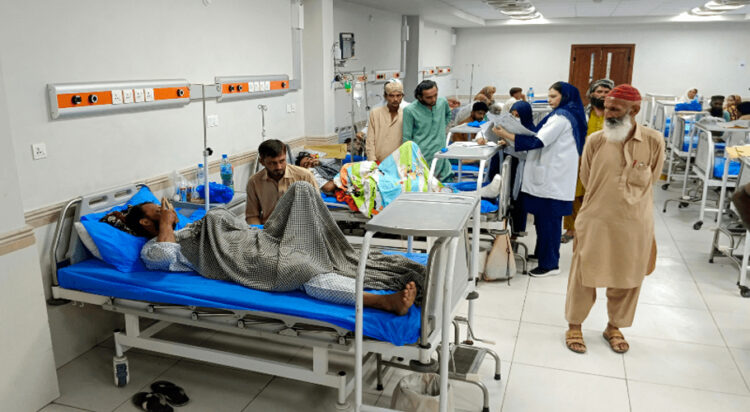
[(426, 122)]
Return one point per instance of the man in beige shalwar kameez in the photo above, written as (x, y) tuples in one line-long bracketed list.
[(385, 128), (614, 247)]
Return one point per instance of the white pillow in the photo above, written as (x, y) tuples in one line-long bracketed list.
[(87, 240)]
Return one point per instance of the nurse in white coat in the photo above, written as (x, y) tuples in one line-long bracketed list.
[(551, 170)]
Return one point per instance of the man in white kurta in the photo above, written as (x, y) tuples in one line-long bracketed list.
[(614, 245)]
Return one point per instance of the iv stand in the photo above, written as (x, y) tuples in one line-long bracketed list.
[(471, 84), (207, 151)]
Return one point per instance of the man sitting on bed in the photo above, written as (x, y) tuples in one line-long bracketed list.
[(266, 187), (300, 248)]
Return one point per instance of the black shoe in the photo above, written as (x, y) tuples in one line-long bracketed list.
[(540, 273)]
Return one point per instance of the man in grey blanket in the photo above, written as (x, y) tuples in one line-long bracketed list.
[(300, 248)]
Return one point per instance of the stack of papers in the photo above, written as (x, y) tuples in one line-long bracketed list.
[(735, 152)]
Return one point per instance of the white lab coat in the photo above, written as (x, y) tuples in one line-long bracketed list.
[(551, 172)]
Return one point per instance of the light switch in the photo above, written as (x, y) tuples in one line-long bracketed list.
[(267, 86), (116, 96), (138, 96), (149, 94), (127, 96)]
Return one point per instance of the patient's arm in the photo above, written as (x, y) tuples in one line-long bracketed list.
[(167, 221)]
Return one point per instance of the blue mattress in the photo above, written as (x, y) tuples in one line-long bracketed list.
[(189, 288)]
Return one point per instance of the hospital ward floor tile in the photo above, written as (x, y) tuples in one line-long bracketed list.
[(54, 407), (503, 334), (742, 357), (686, 365), (544, 346), (735, 327), (549, 309), (647, 397), (210, 388), (533, 388), (87, 382), (677, 324)]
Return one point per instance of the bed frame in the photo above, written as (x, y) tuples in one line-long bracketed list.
[(322, 337)]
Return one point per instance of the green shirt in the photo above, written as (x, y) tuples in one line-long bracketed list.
[(427, 128)]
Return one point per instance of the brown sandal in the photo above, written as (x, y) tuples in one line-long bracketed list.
[(574, 337), (615, 339)]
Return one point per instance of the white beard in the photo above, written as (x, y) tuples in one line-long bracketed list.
[(619, 132)]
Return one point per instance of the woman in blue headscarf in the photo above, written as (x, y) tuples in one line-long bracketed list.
[(522, 111), (550, 172)]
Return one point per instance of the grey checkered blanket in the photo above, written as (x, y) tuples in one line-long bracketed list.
[(300, 240)]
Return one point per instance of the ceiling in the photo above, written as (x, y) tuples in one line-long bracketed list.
[(476, 13)]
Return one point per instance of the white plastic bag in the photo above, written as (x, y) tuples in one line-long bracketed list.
[(420, 392)]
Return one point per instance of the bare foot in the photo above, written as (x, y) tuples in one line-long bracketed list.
[(398, 303)]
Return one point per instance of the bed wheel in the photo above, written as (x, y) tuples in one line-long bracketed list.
[(711, 260), (698, 225), (683, 205), (194, 316), (745, 291), (121, 372), (379, 387), (665, 186), (497, 376), (241, 324), (485, 409)]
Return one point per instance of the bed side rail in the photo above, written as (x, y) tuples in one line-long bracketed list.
[(84, 205)]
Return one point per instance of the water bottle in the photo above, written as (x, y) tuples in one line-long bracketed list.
[(200, 178), (530, 94), (227, 172)]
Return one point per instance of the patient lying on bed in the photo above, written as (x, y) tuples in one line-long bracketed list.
[(300, 248)]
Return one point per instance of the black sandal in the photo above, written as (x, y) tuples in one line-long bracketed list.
[(172, 393), (151, 402)]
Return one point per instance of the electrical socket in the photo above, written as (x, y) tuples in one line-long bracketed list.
[(289, 108), (149, 94), (294, 107), (127, 96), (39, 151), (116, 96), (138, 96)]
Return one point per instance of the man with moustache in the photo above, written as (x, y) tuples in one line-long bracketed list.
[(614, 245)]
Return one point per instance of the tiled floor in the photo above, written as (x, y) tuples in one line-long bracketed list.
[(690, 349)]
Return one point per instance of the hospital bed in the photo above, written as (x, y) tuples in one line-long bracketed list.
[(680, 144), (729, 225), (460, 168), (169, 298), (649, 110), (662, 110), (709, 167)]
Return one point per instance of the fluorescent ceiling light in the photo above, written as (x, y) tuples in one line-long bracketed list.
[(700, 11), (727, 5)]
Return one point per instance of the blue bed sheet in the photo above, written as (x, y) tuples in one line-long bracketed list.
[(189, 288), (734, 167)]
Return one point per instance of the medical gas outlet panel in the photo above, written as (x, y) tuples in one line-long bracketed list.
[(381, 76), (80, 99), (251, 87), (443, 70)]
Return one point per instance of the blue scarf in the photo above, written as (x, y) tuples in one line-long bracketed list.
[(571, 108), (525, 114)]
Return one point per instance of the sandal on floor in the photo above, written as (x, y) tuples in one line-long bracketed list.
[(151, 402), (615, 339), (572, 337), (566, 238), (172, 393)]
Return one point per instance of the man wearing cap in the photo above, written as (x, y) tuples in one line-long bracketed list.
[(595, 116), (385, 126), (614, 247)]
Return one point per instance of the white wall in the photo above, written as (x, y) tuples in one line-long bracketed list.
[(435, 45), (377, 34), (669, 57), (27, 375), (115, 40)]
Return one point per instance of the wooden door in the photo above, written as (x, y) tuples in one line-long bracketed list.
[(589, 62)]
